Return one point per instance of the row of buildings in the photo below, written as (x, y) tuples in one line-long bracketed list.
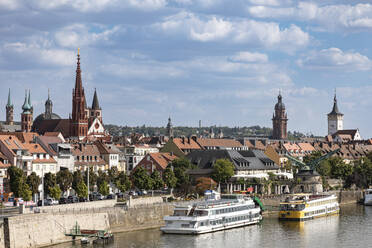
[(50, 143)]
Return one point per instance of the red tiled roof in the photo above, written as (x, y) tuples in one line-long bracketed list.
[(205, 142), (186, 144), (162, 158)]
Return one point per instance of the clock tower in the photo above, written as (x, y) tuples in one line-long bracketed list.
[(335, 119)]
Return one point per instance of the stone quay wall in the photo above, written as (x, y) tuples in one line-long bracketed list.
[(37, 230), (75, 207), (139, 217)]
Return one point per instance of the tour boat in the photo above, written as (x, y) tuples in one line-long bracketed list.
[(216, 213), (302, 207), (368, 197)]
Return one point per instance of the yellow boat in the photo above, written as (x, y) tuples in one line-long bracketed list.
[(300, 207)]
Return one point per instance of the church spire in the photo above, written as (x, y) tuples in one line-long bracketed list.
[(335, 110), (78, 82), (26, 106), (9, 104), (95, 104)]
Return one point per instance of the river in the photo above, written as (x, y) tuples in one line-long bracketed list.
[(352, 228)]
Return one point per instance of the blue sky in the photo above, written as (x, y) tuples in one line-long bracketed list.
[(219, 61)]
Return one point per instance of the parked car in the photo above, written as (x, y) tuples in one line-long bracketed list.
[(53, 201), (110, 196), (120, 195), (133, 193), (100, 197), (83, 199), (62, 200), (72, 199)]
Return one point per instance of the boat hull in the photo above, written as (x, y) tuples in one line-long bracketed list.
[(193, 231), (309, 217)]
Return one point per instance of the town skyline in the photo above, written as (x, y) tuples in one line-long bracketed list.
[(191, 70)]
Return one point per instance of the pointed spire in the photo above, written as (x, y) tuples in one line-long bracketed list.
[(48, 93), (9, 104), (78, 82), (335, 110), (29, 98), (26, 106), (95, 104)]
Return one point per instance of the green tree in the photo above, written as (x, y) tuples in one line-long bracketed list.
[(104, 188), (363, 172), (64, 179), (77, 178), (183, 178), (223, 170), (113, 173), (55, 192), (182, 163), (324, 168), (102, 177), (141, 179), (33, 181), (50, 181), (25, 192), (82, 189), (169, 178), (123, 182), (16, 178), (339, 169), (157, 180), (311, 157)]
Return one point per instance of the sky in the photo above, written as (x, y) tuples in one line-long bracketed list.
[(219, 61)]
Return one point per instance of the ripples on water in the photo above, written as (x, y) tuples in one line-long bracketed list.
[(352, 228)]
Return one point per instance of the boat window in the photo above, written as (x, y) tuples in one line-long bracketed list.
[(200, 213), (180, 213)]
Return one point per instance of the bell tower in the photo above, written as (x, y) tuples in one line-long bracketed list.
[(9, 111), (26, 116), (280, 120), (335, 118)]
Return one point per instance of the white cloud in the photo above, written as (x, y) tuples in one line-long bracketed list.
[(335, 58), (9, 4), (96, 5), (36, 53), (212, 28), (333, 17), (77, 35), (250, 57), (270, 2)]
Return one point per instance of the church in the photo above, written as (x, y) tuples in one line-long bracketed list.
[(85, 123)]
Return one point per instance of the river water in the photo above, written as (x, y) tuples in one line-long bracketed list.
[(352, 228)]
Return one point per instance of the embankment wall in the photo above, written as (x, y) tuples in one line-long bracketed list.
[(140, 217), (35, 230)]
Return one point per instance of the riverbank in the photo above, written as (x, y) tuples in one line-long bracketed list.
[(48, 227)]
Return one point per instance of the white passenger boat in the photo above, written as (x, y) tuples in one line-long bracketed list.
[(301, 207), (213, 215), (368, 197)]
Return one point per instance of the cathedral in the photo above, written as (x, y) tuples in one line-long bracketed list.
[(279, 120), (85, 123)]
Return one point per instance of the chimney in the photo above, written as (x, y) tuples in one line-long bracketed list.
[(171, 153), (188, 140), (183, 139)]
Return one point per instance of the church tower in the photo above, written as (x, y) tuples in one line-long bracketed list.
[(335, 118), (48, 108), (280, 120), (26, 116), (170, 128), (95, 111), (9, 111), (79, 120)]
